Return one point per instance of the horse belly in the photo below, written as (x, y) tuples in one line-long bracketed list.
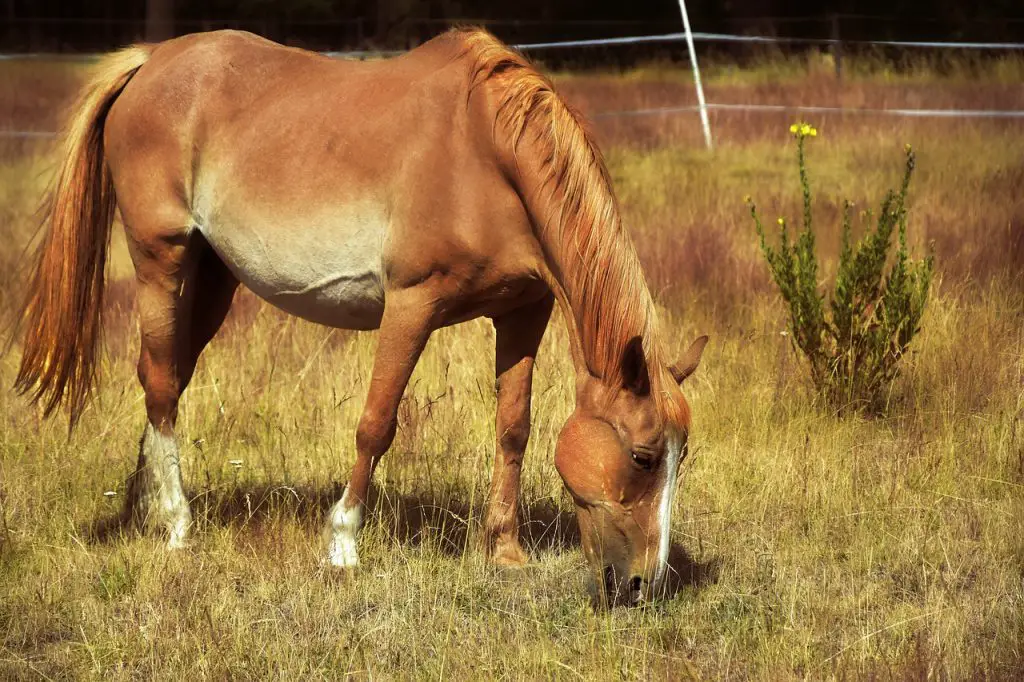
[(329, 276)]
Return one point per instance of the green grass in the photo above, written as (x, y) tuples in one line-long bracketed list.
[(811, 546)]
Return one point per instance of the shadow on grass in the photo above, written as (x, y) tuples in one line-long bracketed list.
[(443, 520)]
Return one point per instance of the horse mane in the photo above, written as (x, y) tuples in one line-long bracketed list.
[(580, 224)]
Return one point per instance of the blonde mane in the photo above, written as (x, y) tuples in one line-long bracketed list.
[(580, 227)]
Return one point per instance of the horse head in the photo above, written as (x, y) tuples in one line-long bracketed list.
[(619, 457)]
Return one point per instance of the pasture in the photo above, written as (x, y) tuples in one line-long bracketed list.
[(807, 545)]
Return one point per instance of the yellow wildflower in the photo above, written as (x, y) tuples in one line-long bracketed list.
[(801, 130), (782, 221)]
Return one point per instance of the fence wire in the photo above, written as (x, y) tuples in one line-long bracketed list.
[(664, 38)]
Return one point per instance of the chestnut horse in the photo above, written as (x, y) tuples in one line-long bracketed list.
[(402, 195)]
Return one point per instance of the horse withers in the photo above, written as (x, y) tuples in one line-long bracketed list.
[(403, 195)]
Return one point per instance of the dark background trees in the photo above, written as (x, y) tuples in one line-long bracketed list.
[(69, 25)]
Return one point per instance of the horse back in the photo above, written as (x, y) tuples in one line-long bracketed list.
[(390, 163)]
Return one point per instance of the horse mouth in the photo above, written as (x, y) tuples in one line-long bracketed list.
[(625, 593)]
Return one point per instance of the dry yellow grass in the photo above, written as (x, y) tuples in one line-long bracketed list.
[(809, 546)]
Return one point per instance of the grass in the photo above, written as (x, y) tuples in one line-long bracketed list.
[(810, 546), (768, 66)]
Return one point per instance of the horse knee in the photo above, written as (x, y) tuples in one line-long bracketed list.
[(515, 434), (375, 434)]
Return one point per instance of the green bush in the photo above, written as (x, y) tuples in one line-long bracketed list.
[(854, 345)]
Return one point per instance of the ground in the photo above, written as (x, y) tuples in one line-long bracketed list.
[(808, 544)]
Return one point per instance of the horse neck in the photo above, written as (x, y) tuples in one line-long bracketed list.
[(597, 276), (562, 178)]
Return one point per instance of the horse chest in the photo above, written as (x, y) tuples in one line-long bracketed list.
[(327, 272)]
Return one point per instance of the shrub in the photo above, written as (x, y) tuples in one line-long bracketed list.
[(854, 345)]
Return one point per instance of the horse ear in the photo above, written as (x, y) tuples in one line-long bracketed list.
[(691, 358), (635, 377)]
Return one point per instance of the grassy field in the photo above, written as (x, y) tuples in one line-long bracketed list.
[(808, 545)]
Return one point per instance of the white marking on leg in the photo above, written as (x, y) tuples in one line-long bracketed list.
[(178, 535), (673, 454), (346, 520), (160, 498)]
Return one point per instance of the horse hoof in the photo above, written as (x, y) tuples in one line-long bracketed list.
[(342, 553), (177, 534), (176, 542)]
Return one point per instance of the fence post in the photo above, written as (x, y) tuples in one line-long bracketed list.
[(696, 74), (837, 47)]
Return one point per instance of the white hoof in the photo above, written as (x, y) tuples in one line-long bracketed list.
[(342, 553), (178, 536), (344, 525)]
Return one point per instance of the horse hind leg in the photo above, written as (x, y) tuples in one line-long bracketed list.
[(184, 293)]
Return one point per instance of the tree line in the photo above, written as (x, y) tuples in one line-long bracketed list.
[(70, 25)]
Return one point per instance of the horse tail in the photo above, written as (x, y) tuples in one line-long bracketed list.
[(60, 324)]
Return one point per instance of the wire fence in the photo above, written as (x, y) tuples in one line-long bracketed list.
[(797, 108), (670, 38), (35, 33), (774, 40), (627, 40)]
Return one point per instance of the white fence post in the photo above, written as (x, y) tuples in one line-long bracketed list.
[(696, 74)]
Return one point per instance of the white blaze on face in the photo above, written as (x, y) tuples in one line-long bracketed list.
[(673, 453)]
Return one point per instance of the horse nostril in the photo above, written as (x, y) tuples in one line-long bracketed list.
[(629, 592), (636, 594)]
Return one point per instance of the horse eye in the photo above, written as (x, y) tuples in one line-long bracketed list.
[(645, 462)]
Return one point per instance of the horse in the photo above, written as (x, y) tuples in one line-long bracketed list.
[(403, 195)]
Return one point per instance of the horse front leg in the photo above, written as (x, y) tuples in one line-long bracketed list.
[(517, 338), (409, 318)]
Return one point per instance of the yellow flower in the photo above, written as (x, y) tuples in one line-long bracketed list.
[(801, 130), (907, 148), (782, 221), (747, 199)]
